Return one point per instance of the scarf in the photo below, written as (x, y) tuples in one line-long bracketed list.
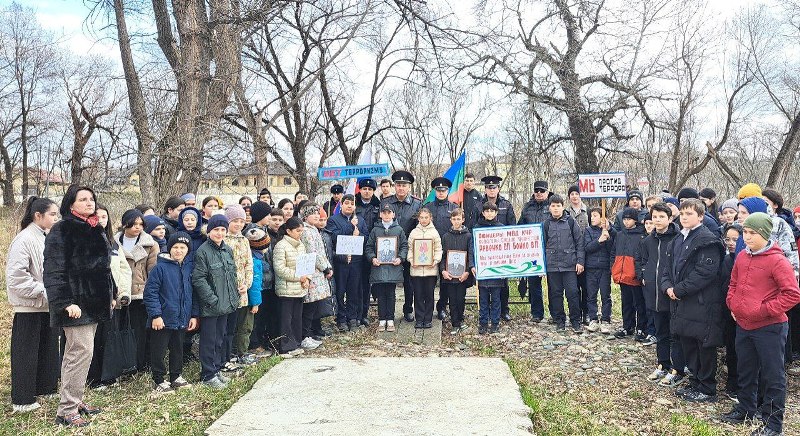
[(92, 220)]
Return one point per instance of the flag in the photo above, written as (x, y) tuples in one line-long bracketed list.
[(455, 174), (352, 186)]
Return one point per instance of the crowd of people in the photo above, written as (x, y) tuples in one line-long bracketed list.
[(694, 277)]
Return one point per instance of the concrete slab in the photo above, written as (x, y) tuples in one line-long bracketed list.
[(381, 396), (406, 333)]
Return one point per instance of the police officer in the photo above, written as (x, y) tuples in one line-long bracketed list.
[(440, 209), (367, 210), (406, 208), (536, 211), (506, 217), (472, 201), (337, 191)]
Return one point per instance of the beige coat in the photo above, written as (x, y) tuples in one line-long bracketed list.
[(141, 259), (24, 269), (427, 232), (284, 261), (121, 273)]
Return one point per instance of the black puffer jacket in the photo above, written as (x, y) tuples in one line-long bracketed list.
[(459, 240), (77, 270), (650, 265), (505, 211), (698, 311), (534, 212)]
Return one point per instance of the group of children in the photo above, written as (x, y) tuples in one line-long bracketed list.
[(685, 289)]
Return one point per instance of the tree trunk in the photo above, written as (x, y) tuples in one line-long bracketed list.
[(24, 144), (786, 155), (8, 180)]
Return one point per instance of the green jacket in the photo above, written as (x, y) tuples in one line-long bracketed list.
[(386, 273), (214, 280)]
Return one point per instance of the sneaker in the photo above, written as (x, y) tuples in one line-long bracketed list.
[(73, 420), (605, 327), (223, 378), (427, 325), (506, 316), (231, 367), (732, 396), (296, 352), (342, 326), (680, 392), (593, 326), (180, 383), (286, 355), (622, 333), (163, 388), (650, 340), (26, 408), (737, 416), (657, 374), (409, 317), (389, 326), (639, 336), (696, 396), (382, 325), (354, 325), (494, 328), (214, 383), (309, 344), (365, 322), (763, 430), (671, 380), (561, 327), (262, 352), (536, 319), (455, 330), (441, 315), (577, 328), (483, 329), (247, 359)]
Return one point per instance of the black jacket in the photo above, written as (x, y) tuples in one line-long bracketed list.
[(405, 211), (505, 211), (368, 212), (340, 225), (598, 254), (472, 207), (170, 225), (460, 240), (490, 282), (77, 270), (725, 280), (440, 214), (563, 244), (698, 311), (386, 273), (534, 212), (650, 265)]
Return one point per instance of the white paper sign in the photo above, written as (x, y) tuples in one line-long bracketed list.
[(306, 264), (353, 245), (610, 185)]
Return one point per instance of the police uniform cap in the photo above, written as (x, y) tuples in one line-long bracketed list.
[(337, 189), (402, 176), (367, 183), (491, 181), (441, 182)]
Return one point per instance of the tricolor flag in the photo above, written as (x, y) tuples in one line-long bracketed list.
[(454, 174), (352, 187)]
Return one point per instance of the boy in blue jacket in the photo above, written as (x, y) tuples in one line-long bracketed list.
[(259, 241), (168, 301)]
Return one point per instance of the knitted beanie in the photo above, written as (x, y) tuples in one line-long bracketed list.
[(688, 193), (730, 203), (754, 204), (235, 211), (631, 213), (179, 238), (749, 190), (308, 210), (217, 221), (761, 223), (257, 236), (151, 222)]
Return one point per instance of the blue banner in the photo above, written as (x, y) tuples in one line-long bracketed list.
[(353, 171)]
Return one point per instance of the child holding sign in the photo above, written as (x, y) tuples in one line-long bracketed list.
[(489, 289), (386, 261), (425, 253), (457, 242)]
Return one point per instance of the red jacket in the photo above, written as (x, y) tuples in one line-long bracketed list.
[(763, 287)]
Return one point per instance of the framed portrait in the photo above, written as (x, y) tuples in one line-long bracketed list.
[(386, 248), (422, 252), (456, 262)]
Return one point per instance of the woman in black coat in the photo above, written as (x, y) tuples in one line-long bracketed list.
[(77, 277)]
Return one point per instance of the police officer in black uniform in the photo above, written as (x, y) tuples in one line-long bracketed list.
[(406, 208), (367, 210), (506, 217), (472, 201), (440, 209), (337, 191)]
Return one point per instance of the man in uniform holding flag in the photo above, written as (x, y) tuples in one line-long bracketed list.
[(406, 208), (506, 217), (440, 209)]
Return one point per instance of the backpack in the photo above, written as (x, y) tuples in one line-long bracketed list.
[(546, 227)]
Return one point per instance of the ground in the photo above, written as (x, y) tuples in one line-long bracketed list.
[(574, 384)]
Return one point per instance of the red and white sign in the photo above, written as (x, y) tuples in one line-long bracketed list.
[(609, 185)]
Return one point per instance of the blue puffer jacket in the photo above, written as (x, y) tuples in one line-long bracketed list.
[(260, 267), (168, 293), (598, 254)]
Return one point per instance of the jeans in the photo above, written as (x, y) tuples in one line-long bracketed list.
[(348, 291), (489, 300), (535, 296), (598, 279), (559, 283)]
